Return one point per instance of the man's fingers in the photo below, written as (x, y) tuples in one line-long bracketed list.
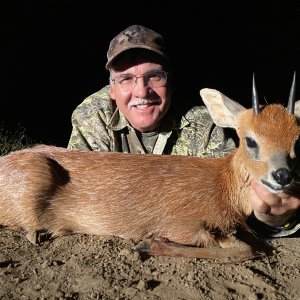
[(261, 194), (257, 204)]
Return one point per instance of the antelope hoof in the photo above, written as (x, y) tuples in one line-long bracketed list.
[(37, 237)]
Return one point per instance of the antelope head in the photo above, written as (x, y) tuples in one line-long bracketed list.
[(268, 135)]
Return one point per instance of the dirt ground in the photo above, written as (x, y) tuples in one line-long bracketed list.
[(94, 267)]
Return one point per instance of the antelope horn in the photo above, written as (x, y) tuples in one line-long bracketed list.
[(291, 102), (255, 102)]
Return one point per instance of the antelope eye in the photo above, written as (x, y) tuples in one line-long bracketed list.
[(251, 142)]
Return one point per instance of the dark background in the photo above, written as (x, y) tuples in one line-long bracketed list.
[(53, 53)]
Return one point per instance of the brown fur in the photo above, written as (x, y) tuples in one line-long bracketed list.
[(187, 200), (128, 195)]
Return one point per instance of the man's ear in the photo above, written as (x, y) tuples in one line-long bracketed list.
[(222, 109), (112, 92)]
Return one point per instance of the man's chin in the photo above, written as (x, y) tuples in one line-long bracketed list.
[(145, 120), (146, 126)]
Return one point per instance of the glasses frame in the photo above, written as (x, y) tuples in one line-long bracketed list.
[(142, 76)]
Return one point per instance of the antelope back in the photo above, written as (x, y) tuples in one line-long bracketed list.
[(268, 138)]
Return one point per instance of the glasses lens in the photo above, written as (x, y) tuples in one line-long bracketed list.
[(152, 79), (127, 81), (156, 78)]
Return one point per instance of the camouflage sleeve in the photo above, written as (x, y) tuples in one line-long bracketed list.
[(201, 137), (221, 142), (88, 135), (89, 119)]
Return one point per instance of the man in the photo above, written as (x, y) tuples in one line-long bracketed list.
[(134, 114)]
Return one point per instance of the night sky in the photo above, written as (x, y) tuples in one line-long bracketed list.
[(53, 53)]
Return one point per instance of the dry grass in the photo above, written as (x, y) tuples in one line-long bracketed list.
[(14, 138)]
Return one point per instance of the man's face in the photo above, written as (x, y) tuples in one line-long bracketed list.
[(143, 106)]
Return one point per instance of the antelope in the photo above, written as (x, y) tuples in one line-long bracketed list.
[(174, 205)]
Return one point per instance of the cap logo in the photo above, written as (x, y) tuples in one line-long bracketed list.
[(134, 38)]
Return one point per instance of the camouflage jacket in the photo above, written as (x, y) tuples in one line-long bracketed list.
[(99, 125)]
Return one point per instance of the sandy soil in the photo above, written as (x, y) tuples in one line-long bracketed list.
[(94, 267)]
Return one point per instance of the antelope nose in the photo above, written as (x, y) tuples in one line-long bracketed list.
[(282, 176)]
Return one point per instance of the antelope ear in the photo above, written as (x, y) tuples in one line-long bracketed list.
[(297, 108), (222, 109)]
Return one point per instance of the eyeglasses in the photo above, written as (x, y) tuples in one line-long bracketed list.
[(152, 79)]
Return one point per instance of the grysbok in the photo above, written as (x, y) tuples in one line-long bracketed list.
[(189, 201)]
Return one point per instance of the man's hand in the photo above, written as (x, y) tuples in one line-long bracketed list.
[(272, 209)]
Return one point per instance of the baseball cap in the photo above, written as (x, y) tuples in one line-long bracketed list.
[(135, 36)]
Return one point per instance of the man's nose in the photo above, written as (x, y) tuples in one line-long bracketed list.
[(141, 88)]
